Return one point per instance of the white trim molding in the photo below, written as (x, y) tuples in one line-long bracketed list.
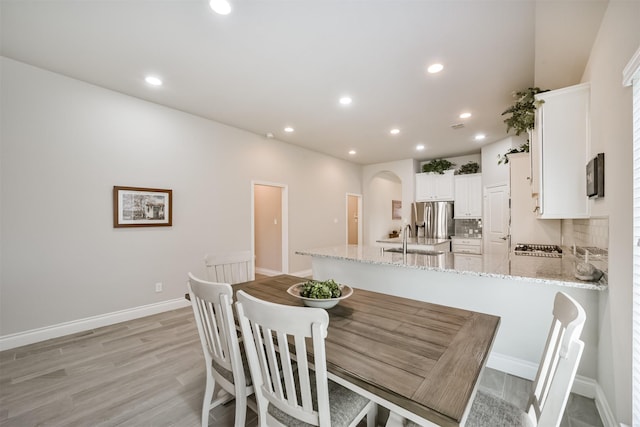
[(632, 69), (61, 329)]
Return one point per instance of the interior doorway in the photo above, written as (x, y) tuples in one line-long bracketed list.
[(354, 219), (496, 221), (269, 225)]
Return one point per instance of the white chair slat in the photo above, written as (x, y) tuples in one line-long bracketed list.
[(213, 312), (297, 398)]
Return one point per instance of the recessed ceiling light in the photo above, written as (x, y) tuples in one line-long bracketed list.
[(345, 100), (465, 115), (352, 152), (288, 129), (435, 68), (420, 147), (153, 81), (394, 131), (221, 7), (480, 137)]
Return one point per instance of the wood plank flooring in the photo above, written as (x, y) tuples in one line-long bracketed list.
[(144, 372), (148, 372)]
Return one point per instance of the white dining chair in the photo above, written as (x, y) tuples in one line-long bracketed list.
[(299, 394), (232, 267), (227, 374), (553, 382)]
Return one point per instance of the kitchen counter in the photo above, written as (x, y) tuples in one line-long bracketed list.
[(422, 241), (554, 271)]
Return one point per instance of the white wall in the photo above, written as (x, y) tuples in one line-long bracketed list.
[(385, 187), (405, 171), (492, 172), (611, 133), (65, 144)]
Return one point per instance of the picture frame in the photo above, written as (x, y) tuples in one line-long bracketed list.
[(142, 207), (396, 209), (595, 176)]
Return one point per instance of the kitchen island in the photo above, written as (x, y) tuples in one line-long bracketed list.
[(443, 245), (519, 289)]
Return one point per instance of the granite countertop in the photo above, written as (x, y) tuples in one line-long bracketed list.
[(555, 271), (415, 241)]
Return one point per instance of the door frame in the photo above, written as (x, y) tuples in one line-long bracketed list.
[(485, 211), (284, 188), (359, 197)]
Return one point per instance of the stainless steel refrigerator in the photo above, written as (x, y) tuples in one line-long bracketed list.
[(432, 219)]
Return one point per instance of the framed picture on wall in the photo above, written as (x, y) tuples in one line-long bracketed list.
[(141, 207), (595, 176), (396, 209)]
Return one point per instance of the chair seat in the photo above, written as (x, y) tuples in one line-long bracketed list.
[(344, 405), (228, 375), (489, 410)]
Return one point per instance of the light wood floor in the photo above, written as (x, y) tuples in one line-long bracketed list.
[(146, 372)]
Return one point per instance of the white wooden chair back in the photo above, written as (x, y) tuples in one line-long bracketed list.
[(213, 311), (234, 267), (559, 364), (267, 327)]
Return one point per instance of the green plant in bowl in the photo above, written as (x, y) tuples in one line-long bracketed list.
[(322, 294)]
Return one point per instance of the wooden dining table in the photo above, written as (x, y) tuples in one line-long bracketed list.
[(422, 361)]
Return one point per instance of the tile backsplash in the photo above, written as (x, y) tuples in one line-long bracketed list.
[(590, 234), (586, 232), (468, 227)]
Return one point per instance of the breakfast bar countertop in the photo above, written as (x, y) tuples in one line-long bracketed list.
[(554, 271), (415, 241)]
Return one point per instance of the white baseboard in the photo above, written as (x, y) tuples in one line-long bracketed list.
[(303, 273), (606, 414), (54, 331), (583, 386), (511, 365), (267, 272)]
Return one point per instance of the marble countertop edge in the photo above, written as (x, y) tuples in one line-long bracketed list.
[(337, 252)]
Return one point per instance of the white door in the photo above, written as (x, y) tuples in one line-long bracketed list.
[(496, 221)]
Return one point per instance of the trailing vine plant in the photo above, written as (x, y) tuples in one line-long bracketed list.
[(522, 117)]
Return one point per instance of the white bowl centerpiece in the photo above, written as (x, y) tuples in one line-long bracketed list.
[(321, 294)]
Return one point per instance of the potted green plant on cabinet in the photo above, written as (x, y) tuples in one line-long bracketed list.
[(437, 166), (522, 118)]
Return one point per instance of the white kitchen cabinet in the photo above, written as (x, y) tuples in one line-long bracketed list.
[(468, 196), (434, 186), (559, 149), (464, 262), (466, 245)]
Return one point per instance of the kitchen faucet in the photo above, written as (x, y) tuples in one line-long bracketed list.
[(406, 230)]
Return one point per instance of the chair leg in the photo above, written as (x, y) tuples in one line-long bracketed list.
[(241, 408), (206, 401), (372, 415)]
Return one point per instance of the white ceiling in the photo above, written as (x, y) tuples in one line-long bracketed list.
[(276, 63)]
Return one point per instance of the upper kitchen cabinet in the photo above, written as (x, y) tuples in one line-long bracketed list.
[(559, 147), (468, 196), (434, 186)]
